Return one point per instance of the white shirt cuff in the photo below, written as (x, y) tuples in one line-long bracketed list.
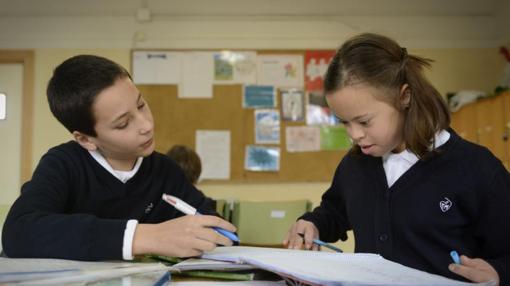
[(129, 234)]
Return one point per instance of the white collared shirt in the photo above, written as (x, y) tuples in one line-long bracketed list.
[(396, 164), (123, 176)]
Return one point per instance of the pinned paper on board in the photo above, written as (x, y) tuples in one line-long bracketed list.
[(335, 138), (213, 148), (303, 138), (197, 75), (267, 126), (235, 67), (316, 65), (3, 105), (293, 104), (157, 67), (260, 158), (259, 96), (280, 70)]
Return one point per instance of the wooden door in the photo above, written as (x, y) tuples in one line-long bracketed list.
[(464, 122)]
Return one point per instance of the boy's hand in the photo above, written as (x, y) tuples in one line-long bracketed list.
[(475, 269), (182, 237), (295, 241)]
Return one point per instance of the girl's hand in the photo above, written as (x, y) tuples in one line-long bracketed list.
[(295, 241), (475, 269)]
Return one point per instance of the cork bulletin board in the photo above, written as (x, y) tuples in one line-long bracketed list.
[(177, 120)]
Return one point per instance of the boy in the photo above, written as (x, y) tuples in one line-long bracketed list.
[(99, 197)]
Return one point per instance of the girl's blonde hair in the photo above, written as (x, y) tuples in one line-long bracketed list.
[(380, 62)]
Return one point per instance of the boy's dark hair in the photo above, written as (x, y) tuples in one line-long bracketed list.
[(380, 62), (74, 86), (188, 160)]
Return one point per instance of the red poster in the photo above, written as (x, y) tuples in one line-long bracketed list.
[(316, 65)]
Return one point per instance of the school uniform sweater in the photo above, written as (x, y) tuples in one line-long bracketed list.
[(459, 199), (73, 208)]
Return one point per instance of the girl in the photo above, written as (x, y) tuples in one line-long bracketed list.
[(411, 189)]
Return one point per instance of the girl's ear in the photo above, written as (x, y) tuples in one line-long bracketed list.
[(84, 140), (405, 96)]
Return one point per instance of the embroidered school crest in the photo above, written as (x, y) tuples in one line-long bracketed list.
[(445, 204)]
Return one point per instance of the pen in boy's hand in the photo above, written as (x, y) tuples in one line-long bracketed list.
[(189, 210), (322, 243), (455, 257)]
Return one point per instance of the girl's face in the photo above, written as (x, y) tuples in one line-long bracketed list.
[(375, 125)]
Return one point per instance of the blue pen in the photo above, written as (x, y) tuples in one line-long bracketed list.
[(455, 256), (189, 210), (322, 243)]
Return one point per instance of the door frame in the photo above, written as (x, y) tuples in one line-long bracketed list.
[(26, 58)]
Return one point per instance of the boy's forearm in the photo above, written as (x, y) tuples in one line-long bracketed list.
[(142, 240)]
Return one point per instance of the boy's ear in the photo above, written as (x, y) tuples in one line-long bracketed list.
[(405, 96), (84, 141)]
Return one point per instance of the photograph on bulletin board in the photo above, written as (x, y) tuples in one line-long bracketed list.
[(260, 158), (293, 104)]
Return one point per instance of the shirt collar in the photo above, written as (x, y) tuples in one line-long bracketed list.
[(122, 176)]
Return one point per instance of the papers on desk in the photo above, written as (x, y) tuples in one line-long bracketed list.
[(207, 264), (21, 271), (327, 268)]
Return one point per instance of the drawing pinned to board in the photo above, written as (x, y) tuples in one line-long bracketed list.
[(197, 75), (293, 105), (303, 138), (235, 67), (316, 65), (267, 126), (280, 70), (259, 96), (259, 158)]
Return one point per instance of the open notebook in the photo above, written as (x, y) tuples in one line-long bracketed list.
[(327, 268)]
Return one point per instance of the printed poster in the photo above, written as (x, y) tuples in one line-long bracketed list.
[(280, 70), (316, 65), (259, 96)]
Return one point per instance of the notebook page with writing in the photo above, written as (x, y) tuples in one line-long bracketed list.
[(327, 268)]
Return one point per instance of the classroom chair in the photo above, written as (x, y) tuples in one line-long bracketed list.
[(265, 223)]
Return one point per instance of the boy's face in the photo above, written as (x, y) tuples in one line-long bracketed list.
[(124, 125), (374, 125)]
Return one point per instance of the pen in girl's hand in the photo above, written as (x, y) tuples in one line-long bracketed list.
[(322, 243)]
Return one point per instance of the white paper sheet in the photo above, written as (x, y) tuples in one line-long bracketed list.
[(231, 67), (328, 268), (303, 138), (59, 271), (213, 147), (156, 67), (197, 75), (280, 70)]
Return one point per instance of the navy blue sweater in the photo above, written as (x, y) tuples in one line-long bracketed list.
[(459, 199), (73, 208)]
